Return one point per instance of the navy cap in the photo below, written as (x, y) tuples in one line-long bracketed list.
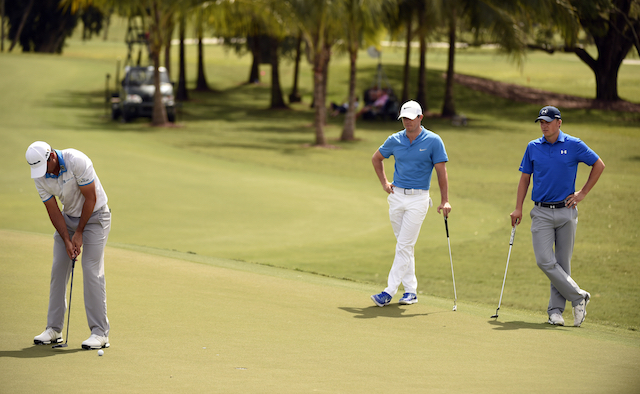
[(549, 113)]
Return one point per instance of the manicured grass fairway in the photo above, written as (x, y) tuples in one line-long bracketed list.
[(187, 323), (237, 185)]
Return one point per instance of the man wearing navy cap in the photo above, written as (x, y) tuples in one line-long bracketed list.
[(83, 225), (552, 160), (417, 151)]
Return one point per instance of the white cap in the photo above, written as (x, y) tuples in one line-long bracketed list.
[(410, 109), (37, 156)]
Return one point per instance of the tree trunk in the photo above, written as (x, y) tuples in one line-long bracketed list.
[(421, 96), (159, 116), (254, 73), (107, 25), (24, 20), (167, 45), (407, 65), (325, 80), (294, 96), (613, 42), (449, 107), (277, 100), (201, 82), (181, 93), (318, 95), (2, 26), (606, 71), (349, 130)]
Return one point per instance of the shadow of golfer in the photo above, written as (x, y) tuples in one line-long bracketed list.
[(520, 325), (37, 351), (372, 312)]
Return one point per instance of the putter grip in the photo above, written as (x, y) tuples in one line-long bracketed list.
[(513, 235), (446, 226)]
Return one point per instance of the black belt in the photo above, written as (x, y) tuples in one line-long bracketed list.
[(552, 205)]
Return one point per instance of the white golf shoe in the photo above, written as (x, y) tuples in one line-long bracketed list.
[(96, 342), (580, 311), (48, 337), (556, 319)]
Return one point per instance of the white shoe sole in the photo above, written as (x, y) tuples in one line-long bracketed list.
[(89, 347), (404, 302), (37, 342)]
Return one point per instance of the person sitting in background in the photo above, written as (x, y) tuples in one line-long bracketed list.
[(379, 99), (342, 108)]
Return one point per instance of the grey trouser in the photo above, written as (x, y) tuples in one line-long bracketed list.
[(94, 239), (557, 227)]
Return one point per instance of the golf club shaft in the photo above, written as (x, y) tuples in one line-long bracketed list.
[(455, 294), (513, 234), (73, 266)]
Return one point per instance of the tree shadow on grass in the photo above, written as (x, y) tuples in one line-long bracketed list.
[(37, 352), (372, 312), (520, 325)]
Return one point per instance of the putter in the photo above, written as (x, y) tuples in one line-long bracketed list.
[(513, 235), (73, 265), (455, 295)]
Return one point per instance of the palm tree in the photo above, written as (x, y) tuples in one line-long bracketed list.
[(449, 106), (181, 92), (362, 20), (201, 81), (294, 96), (258, 21), (401, 22), (159, 14), (167, 45), (503, 22), (428, 16), (319, 22)]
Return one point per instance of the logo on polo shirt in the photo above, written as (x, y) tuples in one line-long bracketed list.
[(563, 151)]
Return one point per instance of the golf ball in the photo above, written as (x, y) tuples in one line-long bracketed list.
[(100, 352)]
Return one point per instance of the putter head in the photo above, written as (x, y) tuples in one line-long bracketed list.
[(455, 308), (59, 345), (494, 316)]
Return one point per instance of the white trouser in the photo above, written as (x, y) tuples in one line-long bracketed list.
[(406, 212)]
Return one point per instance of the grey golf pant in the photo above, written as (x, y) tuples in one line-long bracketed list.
[(556, 227), (94, 239)]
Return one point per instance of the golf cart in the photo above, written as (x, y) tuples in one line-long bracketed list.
[(135, 98)]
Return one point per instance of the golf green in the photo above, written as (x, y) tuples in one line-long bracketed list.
[(187, 323)]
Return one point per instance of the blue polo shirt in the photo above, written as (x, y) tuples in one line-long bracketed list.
[(414, 161), (554, 166)]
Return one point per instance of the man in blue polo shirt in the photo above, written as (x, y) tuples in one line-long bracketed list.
[(417, 151), (553, 160)]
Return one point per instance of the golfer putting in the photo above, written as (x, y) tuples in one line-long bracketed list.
[(417, 151), (552, 161), (82, 226)]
